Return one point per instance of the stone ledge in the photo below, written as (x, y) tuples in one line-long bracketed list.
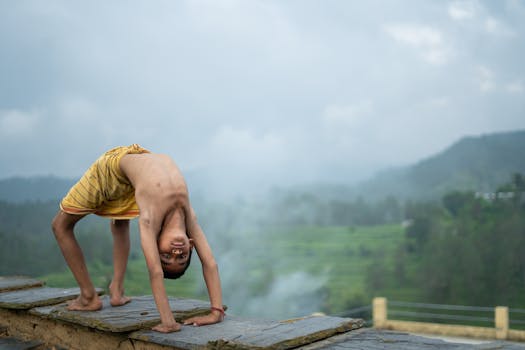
[(18, 282), (40, 314), (53, 327), (33, 297), (241, 333), (140, 313)]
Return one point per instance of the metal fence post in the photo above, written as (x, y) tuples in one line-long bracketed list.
[(501, 321), (379, 312)]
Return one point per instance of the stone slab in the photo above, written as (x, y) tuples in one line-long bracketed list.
[(17, 344), (140, 313), (372, 339), (242, 333), (10, 283), (29, 298)]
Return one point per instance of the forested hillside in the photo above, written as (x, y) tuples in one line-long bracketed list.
[(473, 163), (466, 249), (37, 188), (28, 246)]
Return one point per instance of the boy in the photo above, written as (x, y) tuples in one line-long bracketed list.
[(122, 183)]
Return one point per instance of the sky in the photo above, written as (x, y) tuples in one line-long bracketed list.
[(249, 93)]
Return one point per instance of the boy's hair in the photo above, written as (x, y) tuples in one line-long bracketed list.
[(174, 275)]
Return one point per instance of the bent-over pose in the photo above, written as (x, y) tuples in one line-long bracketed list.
[(124, 183)]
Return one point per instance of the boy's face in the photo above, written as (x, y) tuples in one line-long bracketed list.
[(174, 250)]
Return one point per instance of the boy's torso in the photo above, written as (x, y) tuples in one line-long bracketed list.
[(156, 178)]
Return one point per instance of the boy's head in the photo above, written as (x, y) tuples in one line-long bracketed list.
[(175, 250), (174, 273)]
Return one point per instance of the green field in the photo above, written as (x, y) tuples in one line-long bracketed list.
[(342, 255), (339, 256)]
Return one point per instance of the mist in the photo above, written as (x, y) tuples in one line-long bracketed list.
[(258, 280)]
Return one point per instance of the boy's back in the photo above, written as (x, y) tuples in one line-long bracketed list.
[(157, 180)]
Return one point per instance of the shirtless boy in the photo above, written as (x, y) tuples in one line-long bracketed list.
[(122, 183)]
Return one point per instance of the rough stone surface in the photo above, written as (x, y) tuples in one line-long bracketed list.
[(140, 313), (9, 283), (52, 323), (378, 339), (17, 344), (29, 298), (241, 333)]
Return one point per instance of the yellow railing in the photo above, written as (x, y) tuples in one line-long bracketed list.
[(500, 330)]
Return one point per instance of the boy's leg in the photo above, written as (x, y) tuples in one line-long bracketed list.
[(63, 225), (120, 231)]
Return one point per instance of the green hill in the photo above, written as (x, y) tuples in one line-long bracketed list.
[(473, 163), (477, 163), (37, 188)]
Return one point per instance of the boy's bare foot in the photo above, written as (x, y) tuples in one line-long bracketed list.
[(83, 304), (119, 301), (117, 297)]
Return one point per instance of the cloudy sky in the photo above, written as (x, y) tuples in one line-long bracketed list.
[(255, 92)]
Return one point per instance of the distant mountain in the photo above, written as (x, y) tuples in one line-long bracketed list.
[(38, 188), (479, 163)]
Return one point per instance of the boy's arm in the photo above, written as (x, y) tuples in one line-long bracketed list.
[(210, 272), (148, 239)]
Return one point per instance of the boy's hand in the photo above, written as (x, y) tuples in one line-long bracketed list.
[(214, 317), (163, 328)]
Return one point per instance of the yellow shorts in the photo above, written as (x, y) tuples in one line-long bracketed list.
[(103, 189)]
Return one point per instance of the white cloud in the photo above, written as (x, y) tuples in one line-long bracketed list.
[(250, 25), (17, 123), (244, 83), (482, 20), (442, 101), (414, 35), (336, 115), (426, 40), (497, 27), (244, 147), (436, 56), (345, 125), (515, 6), (77, 109), (485, 78), (461, 10), (515, 87)]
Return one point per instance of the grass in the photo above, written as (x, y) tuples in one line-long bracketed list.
[(342, 255)]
